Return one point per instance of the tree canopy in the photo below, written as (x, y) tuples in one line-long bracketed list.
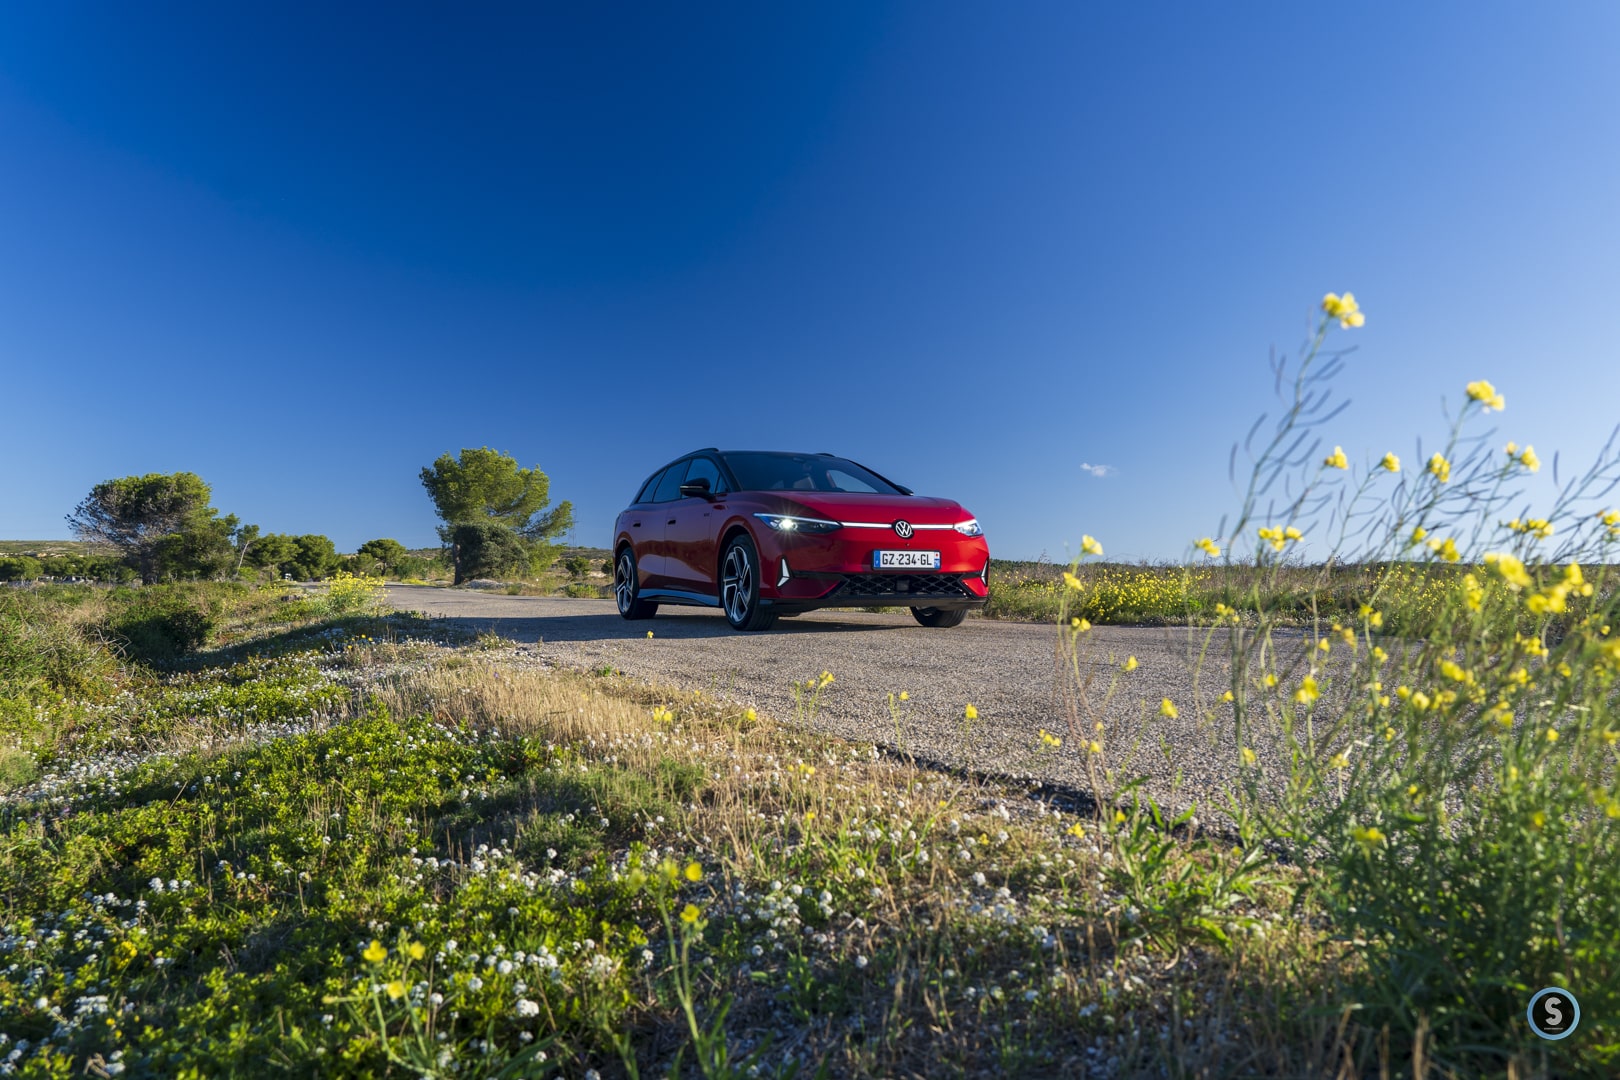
[(486, 485), (160, 523), (494, 511)]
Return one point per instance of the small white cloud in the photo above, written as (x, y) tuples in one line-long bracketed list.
[(1098, 470)]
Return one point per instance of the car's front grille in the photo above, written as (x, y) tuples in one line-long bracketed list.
[(927, 586)]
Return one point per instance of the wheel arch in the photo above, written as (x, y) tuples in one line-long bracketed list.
[(733, 529)]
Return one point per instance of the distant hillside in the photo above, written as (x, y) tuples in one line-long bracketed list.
[(46, 547)]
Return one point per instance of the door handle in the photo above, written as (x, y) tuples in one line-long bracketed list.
[(671, 521), (635, 524)]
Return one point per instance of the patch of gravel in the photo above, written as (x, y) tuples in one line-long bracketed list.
[(1008, 671)]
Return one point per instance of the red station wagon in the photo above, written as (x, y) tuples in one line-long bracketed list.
[(763, 534)]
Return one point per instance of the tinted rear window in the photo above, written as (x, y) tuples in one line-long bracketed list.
[(765, 471)]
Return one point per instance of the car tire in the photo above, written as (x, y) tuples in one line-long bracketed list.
[(939, 617), (739, 587), (627, 588)]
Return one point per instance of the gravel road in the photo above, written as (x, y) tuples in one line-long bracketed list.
[(1007, 670)]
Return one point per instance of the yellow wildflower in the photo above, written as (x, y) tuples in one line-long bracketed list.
[(396, 989), (1130, 663), (1308, 691), (1440, 467), (1089, 546), (1368, 837), (690, 914), (1228, 697), (375, 953), (1076, 829), (1270, 679), (1208, 547), (693, 872), (905, 696), (1510, 569), (1345, 309), (1552, 734), (1379, 655), (1167, 709), (649, 633), (1540, 528), (1336, 460), (750, 715), (1451, 670), (1072, 582), (1529, 459), (1094, 746), (1484, 393), (1248, 756), (1538, 820), (970, 713), (1391, 463), (1079, 625), (417, 950), (1446, 549)]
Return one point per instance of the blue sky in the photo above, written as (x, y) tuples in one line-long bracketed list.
[(302, 252)]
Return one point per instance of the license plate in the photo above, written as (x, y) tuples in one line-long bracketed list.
[(905, 560)]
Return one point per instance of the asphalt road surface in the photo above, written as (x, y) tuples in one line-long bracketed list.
[(1007, 670)]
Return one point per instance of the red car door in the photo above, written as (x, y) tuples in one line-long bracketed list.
[(689, 532), (652, 543)]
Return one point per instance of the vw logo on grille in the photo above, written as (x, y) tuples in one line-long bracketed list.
[(902, 529)]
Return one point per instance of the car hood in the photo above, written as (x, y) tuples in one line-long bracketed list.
[(841, 506)]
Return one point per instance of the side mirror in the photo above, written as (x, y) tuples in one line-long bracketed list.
[(698, 487)]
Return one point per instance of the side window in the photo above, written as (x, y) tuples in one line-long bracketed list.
[(669, 488), (704, 469), (645, 495)]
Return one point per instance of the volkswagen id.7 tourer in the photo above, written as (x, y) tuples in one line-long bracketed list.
[(763, 534)]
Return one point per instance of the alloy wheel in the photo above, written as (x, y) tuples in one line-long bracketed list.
[(737, 584), (624, 582)]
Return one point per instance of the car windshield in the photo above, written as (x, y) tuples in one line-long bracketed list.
[(765, 471)]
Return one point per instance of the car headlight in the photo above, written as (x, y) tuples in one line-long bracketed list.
[(970, 527), (787, 523)]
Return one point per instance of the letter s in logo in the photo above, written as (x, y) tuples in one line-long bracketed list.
[(1553, 1013)]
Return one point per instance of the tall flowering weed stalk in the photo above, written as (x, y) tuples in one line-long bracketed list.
[(1451, 788), (348, 593)]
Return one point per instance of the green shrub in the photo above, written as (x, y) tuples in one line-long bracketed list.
[(43, 651), (20, 568), (581, 590), (158, 623), (487, 549)]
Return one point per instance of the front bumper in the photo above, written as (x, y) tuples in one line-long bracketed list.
[(804, 572), (879, 589)]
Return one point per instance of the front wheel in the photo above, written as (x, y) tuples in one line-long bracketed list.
[(939, 617), (627, 589), (739, 587)]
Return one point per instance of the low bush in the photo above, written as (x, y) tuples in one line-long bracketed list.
[(160, 623)]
